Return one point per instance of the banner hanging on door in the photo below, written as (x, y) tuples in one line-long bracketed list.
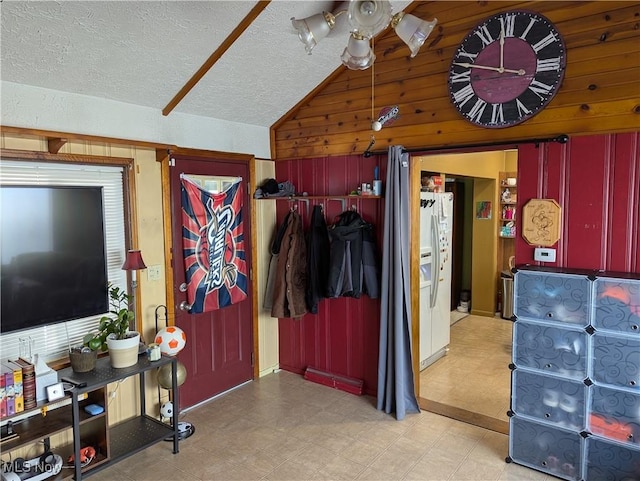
[(213, 246)]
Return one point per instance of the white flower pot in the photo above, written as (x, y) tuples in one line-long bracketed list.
[(124, 352)]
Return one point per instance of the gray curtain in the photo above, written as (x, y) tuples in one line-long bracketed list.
[(396, 391)]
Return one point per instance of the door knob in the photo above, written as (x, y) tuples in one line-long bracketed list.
[(185, 306), (183, 287)]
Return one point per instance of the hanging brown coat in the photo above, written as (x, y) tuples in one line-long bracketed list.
[(291, 272)]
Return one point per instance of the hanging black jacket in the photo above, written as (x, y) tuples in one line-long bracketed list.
[(353, 266), (317, 260)]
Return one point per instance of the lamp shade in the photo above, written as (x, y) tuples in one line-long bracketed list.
[(414, 31), (358, 54), (313, 29), (134, 261), (369, 17)]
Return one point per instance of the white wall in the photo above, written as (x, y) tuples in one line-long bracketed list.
[(44, 109)]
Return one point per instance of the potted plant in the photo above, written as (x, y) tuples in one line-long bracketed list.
[(114, 332)]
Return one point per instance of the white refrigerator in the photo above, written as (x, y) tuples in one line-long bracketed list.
[(436, 228)]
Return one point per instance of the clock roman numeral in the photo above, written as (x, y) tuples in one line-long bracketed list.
[(532, 21), (469, 56), (548, 64), (522, 109), (461, 77), (475, 114), (540, 89), (548, 40), (508, 23), (463, 95), (497, 114), (484, 35)]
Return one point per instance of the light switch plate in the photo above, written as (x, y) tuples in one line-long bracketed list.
[(153, 273), (544, 254)]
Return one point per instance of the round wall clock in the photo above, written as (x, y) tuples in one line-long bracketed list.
[(507, 69)]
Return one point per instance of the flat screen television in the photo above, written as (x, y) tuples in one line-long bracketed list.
[(52, 251)]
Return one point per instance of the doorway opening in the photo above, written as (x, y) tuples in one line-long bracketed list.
[(472, 382)]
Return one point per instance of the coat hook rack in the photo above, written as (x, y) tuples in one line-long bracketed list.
[(343, 202), (306, 206)]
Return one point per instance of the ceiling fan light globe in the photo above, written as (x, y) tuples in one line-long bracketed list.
[(414, 31), (369, 17), (358, 54), (311, 30)]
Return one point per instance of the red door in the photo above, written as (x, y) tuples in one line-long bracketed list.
[(218, 353)]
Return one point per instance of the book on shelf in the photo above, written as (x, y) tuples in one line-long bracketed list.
[(3, 397), (28, 382), (18, 396), (9, 392)]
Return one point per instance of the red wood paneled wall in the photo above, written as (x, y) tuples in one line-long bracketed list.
[(343, 337), (596, 181)]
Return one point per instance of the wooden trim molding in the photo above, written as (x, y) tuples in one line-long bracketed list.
[(463, 415), (162, 155), (211, 155), (254, 268), (37, 156), (68, 137), (414, 269)]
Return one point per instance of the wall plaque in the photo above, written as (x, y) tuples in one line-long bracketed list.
[(541, 222)]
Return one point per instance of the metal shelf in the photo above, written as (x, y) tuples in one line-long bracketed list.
[(128, 437), (132, 436)]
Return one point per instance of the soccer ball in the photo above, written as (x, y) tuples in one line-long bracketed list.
[(166, 410), (171, 340)]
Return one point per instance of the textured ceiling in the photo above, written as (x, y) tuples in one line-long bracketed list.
[(144, 52)]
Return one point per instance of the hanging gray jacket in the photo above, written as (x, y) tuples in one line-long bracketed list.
[(353, 265)]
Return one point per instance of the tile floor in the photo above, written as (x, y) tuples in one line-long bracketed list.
[(475, 374), (281, 427)]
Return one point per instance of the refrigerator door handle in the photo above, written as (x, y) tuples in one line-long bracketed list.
[(435, 263)]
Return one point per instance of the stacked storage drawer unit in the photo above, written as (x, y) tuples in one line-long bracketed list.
[(575, 389)]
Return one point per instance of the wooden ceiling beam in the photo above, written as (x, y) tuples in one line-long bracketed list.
[(215, 56)]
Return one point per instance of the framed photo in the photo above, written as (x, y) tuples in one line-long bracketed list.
[(483, 210)]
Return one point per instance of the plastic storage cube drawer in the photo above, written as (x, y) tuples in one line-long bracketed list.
[(615, 414), (615, 360), (552, 297), (548, 348), (611, 461), (616, 305), (550, 449), (550, 399)]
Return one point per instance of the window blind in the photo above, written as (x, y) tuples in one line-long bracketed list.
[(53, 341)]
